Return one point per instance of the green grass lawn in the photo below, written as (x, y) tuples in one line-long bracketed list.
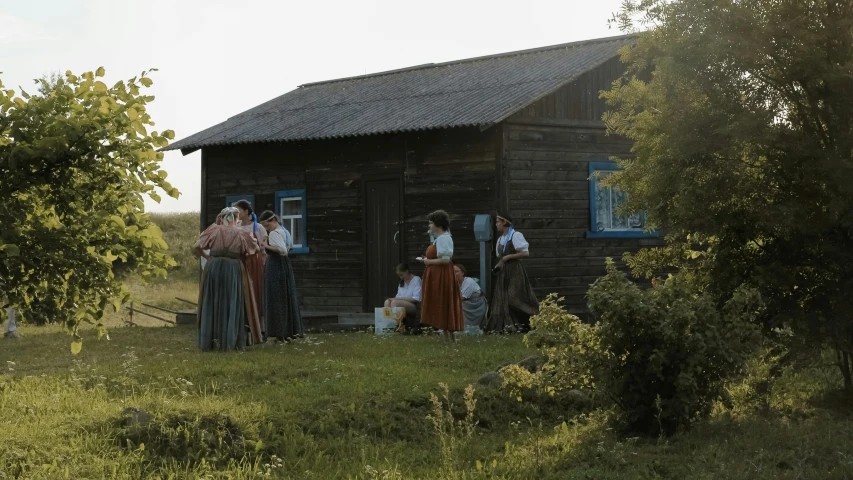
[(327, 405), (330, 405), (355, 406)]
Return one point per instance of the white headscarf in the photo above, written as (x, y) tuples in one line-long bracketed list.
[(229, 215)]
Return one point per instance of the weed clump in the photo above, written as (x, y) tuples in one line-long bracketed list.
[(215, 439)]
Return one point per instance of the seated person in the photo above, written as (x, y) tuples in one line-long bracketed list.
[(409, 291), (474, 305)]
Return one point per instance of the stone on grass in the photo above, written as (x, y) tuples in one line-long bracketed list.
[(490, 379), (578, 398), (135, 417), (532, 363)]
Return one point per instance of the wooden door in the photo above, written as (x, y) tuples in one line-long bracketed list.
[(383, 238)]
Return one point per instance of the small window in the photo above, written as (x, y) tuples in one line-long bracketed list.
[(604, 205), (291, 208)]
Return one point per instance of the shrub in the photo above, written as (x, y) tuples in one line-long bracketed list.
[(661, 355)]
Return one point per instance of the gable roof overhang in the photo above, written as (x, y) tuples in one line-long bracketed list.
[(476, 92)]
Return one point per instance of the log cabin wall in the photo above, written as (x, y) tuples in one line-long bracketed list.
[(455, 171), (547, 148), (451, 169)]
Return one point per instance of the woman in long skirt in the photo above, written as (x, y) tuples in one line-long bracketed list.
[(281, 302), (254, 263), (225, 304), (513, 300), (442, 303), (474, 305)]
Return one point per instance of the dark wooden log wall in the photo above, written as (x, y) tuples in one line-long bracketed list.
[(547, 150), (449, 169), (452, 170), (578, 100)]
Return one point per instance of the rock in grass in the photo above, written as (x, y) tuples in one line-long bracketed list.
[(134, 417), (578, 398), (532, 363), (490, 379)]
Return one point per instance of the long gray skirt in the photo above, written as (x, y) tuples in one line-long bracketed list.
[(222, 306), (474, 310), (281, 302)]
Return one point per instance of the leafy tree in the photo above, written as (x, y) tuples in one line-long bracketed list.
[(47, 83), (75, 162), (742, 116)]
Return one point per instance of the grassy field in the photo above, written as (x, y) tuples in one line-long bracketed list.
[(180, 231), (147, 404)]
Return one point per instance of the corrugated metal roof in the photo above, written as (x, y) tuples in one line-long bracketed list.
[(473, 92)]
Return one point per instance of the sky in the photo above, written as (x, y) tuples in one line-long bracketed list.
[(219, 58)]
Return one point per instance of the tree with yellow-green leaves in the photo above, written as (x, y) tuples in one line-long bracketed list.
[(76, 160), (741, 113)]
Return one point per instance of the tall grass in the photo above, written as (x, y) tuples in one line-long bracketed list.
[(180, 230)]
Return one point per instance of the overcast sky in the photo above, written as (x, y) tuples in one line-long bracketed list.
[(219, 58)]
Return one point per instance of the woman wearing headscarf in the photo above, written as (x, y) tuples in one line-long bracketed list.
[(281, 307), (254, 263), (513, 299), (225, 305), (442, 303)]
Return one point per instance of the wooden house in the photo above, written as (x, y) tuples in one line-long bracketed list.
[(355, 165)]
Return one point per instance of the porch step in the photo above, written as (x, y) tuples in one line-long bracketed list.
[(319, 321)]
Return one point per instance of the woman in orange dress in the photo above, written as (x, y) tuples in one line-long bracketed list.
[(442, 303), (255, 262)]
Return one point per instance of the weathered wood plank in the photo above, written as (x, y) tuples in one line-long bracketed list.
[(328, 301), (534, 195), (549, 176), (328, 282), (565, 136), (546, 223), (546, 204), (543, 146), (559, 213), (557, 159), (550, 185)]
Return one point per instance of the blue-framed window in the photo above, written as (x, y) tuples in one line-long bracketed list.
[(230, 199), (292, 209), (604, 203)]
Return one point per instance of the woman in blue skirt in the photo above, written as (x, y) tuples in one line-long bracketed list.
[(225, 306), (281, 302)]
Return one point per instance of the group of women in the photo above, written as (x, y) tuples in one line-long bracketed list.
[(248, 292), (452, 302)]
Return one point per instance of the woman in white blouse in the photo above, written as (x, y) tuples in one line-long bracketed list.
[(513, 300), (442, 305), (281, 301), (409, 291), (474, 305)]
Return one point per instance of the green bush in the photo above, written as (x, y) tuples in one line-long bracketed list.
[(661, 355)]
